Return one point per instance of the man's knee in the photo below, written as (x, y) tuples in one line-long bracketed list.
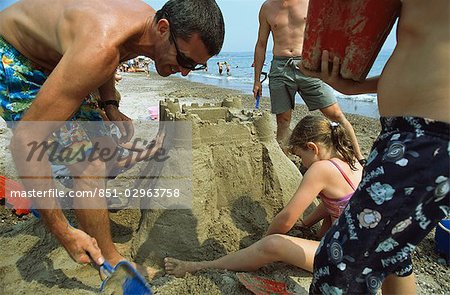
[(334, 113)]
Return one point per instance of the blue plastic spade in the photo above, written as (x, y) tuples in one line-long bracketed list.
[(123, 279), (257, 101)]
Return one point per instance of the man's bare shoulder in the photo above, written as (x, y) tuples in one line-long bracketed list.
[(270, 5)]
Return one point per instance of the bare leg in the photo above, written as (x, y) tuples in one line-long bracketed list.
[(290, 250), (335, 113), (92, 214), (399, 285), (283, 130)]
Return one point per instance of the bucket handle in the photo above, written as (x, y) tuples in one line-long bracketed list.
[(443, 227)]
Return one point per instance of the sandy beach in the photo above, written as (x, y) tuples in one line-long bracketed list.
[(32, 262)]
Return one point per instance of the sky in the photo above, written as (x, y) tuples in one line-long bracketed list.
[(241, 23)]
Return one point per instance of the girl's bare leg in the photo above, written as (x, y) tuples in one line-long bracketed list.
[(290, 250)]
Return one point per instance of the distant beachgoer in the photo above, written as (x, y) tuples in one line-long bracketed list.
[(117, 76), (180, 37), (405, 191), (220, 65), (131, 65), (228, 68), (146, 66), (333, 173), (124, 67), (286, 20)]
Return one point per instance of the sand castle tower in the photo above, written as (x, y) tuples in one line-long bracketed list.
[(239, 179)]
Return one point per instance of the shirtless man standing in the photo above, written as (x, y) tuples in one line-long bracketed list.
[(41, 49), (286, 20), (405, 191)]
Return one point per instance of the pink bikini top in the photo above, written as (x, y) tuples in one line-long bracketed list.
[(336, 206)]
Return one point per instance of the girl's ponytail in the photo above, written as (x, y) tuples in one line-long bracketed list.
[(342, 144), (329, 134)]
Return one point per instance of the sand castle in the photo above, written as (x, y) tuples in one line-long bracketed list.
[(240, 179)]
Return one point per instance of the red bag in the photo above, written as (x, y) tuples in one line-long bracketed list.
[(262, 286), (20, 205)]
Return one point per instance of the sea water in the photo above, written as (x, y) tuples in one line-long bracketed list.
[(241, 78)]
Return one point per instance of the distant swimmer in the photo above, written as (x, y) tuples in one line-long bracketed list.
[(220, 65), (227, 66)]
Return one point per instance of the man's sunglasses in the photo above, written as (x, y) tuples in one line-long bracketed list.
[(185, 61)]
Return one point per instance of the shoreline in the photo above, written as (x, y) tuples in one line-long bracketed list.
[(347, 103)]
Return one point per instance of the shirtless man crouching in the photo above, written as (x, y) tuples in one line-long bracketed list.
[(44, 42)]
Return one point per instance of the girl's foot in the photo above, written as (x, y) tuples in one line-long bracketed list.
[(179, 268)]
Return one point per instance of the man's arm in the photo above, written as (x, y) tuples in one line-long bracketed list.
[(260, 50), (332, 78), (59, 98), (107, 93)]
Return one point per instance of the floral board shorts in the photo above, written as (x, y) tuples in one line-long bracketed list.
[(404, 193), (20, 82)]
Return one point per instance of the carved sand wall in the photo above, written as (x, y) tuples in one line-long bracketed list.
[(240, 179)]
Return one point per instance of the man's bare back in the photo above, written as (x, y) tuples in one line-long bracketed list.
[(286, 21), (43, 35), (415, 81)]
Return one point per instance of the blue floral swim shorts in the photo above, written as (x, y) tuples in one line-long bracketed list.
[(20, 82), (403, 195)]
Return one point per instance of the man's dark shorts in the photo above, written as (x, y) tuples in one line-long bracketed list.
[(285, 80), (403, 195)]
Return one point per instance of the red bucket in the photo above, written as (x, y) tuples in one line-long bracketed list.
[(353, 30)]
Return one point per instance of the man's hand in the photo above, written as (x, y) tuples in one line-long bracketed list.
[(257, 89), (81, 247), (122, 122), (335, 80), (332, 77)]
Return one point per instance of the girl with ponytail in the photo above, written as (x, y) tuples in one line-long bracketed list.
[(333, 170), (333, 174)]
